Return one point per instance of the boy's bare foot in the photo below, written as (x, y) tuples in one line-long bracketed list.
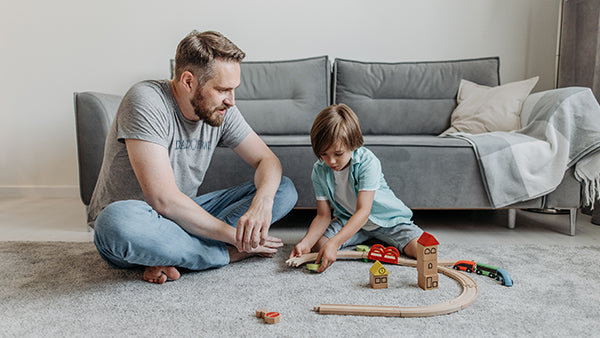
[(159, 274)]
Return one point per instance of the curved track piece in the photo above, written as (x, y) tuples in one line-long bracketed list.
[(466, 298)]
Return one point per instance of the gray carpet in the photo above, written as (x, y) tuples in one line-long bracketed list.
[(65, 289)]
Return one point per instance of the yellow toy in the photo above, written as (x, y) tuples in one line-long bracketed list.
[(378, 276)]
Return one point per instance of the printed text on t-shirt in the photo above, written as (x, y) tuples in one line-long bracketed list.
[(192, 144)]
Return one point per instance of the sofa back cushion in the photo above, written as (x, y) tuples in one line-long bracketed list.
[(283, 97), (408, 97)]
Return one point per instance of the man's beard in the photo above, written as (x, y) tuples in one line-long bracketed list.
[(207, 114)]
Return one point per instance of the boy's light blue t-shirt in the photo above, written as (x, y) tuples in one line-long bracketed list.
[(365, 174)]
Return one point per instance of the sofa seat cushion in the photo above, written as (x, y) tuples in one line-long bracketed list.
[(430, 172), (370, 140), (286, 140), (416, 141), (426, 172)]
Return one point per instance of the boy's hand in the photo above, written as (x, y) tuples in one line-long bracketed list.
[(299, 250), (327, 255)]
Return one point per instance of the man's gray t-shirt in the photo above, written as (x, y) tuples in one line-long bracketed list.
[(150, 112)]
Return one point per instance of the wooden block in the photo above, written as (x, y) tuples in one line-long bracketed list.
[(272, 317), (260, 313), (268, 317), (427, 267), (378, 276), (378, 282), (426, 253), (427, 262), (428, 282)]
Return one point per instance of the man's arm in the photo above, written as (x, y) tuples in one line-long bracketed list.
[(154, 173), (253, 226)]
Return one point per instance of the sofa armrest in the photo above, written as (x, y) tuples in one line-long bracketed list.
[(94, 113)]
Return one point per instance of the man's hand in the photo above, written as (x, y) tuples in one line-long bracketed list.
[(253, 226)]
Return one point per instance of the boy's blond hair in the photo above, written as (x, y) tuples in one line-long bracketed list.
[(336, 124)]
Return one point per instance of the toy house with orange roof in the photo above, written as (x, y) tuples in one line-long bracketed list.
[(427, 247), (378, 276)]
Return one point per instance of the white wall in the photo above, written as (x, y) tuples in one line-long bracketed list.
[(50, 49)]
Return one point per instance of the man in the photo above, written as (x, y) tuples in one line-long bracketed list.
[(144, 208)]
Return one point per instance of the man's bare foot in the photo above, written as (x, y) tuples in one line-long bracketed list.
[(235, 255), (159, 274)]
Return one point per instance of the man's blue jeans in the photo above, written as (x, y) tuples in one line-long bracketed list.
[(130, 233)]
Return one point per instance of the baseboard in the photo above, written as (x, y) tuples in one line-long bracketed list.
[(44, 191)]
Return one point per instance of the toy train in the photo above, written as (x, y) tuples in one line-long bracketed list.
[(486, 270)]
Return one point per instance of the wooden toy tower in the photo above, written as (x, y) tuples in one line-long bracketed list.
[(427, 262)]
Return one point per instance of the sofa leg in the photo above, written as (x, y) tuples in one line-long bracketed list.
[(512, 218), (572, 220)]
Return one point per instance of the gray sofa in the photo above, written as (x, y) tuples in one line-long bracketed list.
[(402, 108)]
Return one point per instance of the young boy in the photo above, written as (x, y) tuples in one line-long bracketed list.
[(348, 177)]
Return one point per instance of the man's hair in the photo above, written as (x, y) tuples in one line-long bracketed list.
[(197, 53), (335, 124)]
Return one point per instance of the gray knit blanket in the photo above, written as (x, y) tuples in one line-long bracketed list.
[(560, 129)]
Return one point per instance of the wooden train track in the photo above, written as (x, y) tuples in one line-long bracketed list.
[(466, 298)]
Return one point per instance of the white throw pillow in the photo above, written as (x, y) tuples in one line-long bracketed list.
[(482, 109)]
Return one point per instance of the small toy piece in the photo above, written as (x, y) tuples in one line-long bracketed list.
[(494, 272), (261, 312), (387, 255), (378, 276), (504, 277), (427, 264), (269, 317), (486, 270), (363, 248), (313, 267), (272, 317), (468, 266)]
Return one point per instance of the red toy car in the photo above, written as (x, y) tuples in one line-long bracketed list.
[(468, 266)]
